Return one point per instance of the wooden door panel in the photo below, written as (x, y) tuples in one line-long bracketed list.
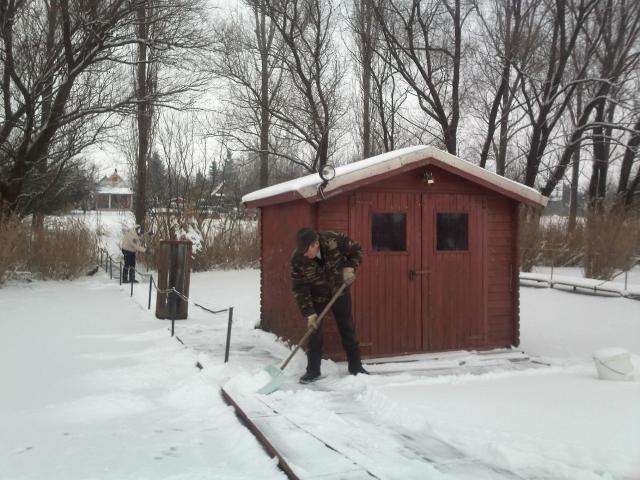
[(386, 303), (454, 315)]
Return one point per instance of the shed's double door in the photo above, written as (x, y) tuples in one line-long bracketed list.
[(421, 286)]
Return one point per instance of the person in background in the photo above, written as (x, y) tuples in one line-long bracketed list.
[(131, 244), (320, 264)]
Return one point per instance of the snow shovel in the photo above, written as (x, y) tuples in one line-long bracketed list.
[(276, 372)]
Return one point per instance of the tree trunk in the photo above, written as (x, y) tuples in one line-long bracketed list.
[(634, 188), (598, 182), (366, 17), (625, 194), (37, 223), (575, 177), (143, 117), (575, 172), (501, 159), (261, 30), (574, 141)]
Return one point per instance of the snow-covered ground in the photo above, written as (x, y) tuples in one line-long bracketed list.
[(108, 225), (93, 386)]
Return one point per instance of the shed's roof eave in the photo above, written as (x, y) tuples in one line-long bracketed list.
[(307, 186)]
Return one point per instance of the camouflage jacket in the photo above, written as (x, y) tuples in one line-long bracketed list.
[(313, 282)]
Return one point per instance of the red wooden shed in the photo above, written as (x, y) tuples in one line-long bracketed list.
[(440, 241)]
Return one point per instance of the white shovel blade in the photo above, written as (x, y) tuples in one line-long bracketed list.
[(276, 380)]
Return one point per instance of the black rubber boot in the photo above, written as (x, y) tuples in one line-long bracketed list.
[(357, 370), (309, 377)]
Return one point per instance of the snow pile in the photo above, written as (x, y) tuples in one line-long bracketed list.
[(191, 232), (248, 383)]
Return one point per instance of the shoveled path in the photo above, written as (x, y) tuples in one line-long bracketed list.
[(308, 447)]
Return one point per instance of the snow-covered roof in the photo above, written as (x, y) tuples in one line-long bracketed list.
[(114, 185), (217, 190), (107, 190), (307, 187)]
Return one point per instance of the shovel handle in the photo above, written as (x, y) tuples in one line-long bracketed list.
[(310, 330)]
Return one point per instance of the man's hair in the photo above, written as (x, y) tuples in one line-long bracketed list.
[(304, 238)]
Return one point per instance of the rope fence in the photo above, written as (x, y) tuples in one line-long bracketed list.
[(553, 258), (106, 260)]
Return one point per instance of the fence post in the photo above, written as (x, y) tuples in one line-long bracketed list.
[(626, 273), (172, 310), (226, 350), (110, 268), (120, 271), (150, 287)]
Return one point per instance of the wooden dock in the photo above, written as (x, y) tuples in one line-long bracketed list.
[(341, 439), (300, 454)]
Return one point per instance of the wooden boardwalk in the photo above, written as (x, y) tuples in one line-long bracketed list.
[(314, 447)]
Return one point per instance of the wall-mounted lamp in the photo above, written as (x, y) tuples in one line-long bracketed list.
[(326, 174), (427, 177)]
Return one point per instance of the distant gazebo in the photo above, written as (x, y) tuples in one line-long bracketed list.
[(114, 193)]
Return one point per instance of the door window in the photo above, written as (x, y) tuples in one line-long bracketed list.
[(452, 231), (389, 232)]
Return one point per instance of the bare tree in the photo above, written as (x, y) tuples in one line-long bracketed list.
[(63, 80), (249, 60), (162, 25), (425, 40), (509, 36), (188, 197), (618, 58), (145, 85), (546, 97), (185, 158), (382, 93), (613, 57), (363, 28), (312, 70)]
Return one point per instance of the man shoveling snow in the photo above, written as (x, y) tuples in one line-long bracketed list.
[(321, 263)]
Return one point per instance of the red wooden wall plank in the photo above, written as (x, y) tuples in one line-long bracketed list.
[(279, 313)]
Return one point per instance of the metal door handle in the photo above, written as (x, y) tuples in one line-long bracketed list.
[(414, 273)]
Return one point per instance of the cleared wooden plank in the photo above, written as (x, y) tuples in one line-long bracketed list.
[(300, 454)]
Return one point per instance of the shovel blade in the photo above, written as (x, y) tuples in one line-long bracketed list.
[(276, 380)]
